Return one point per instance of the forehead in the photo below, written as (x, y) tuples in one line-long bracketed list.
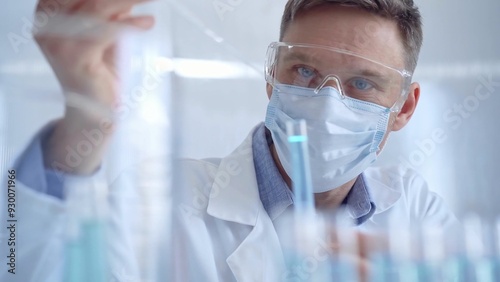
[(351, 29)]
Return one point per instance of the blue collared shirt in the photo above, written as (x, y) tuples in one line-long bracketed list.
[(32, 172), (277, 197)]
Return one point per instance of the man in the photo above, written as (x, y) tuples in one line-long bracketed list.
[(342, 66)]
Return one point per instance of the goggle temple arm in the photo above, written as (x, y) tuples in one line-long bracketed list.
[(396, 108)]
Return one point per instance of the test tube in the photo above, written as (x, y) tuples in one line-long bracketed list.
[(391, 262), (401, 245), (497, 251), (458, 265), (85, 250), (305, 228), (481, 268), (434, 253), (301, 172), (347, 239)]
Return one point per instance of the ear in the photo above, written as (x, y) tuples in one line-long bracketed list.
[(408, 108), (269, 90)]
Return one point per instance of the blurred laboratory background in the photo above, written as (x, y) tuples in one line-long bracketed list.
[(214, 53)]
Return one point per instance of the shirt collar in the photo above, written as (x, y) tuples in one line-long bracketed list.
[(275, 195), (273, 190), (358, 201)]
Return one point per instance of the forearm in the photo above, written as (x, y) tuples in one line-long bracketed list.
[(77, 143)]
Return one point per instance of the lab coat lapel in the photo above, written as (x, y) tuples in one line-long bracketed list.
[(385, 188), (235, 197), (259, 256)]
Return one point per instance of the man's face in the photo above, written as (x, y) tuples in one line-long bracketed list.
[(357, 31)]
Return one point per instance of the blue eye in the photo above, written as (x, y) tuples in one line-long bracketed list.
[(305, 72), (362, 84)]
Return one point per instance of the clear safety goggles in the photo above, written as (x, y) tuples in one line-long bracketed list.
[(354, 76)]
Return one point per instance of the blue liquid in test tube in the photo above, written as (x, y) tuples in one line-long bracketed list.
[(85, 255), (303, 227), (85, 249), (301, 172)]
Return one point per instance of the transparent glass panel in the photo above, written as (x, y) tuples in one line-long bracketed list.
[(164, 204)]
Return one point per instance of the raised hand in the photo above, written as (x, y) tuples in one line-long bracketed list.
[(80, 43)]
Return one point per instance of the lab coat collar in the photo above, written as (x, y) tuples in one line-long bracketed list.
[(234, 195), (383, 195)]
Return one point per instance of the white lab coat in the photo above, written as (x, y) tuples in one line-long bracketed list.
[(219, 222)]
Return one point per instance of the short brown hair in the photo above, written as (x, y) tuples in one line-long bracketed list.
[(404, 12)]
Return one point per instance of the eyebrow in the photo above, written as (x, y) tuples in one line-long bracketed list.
[(300, 56), (372, 73)]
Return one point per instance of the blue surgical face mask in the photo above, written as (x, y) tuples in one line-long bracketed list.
[(344, 134)]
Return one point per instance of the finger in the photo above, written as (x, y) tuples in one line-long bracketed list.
[(140, 22), (73, 26), (371, 243), (344, 240), (108, 8), (363, 266), (108, 33), (364, 270), (53, 7), (88, 28), (110, 57)]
